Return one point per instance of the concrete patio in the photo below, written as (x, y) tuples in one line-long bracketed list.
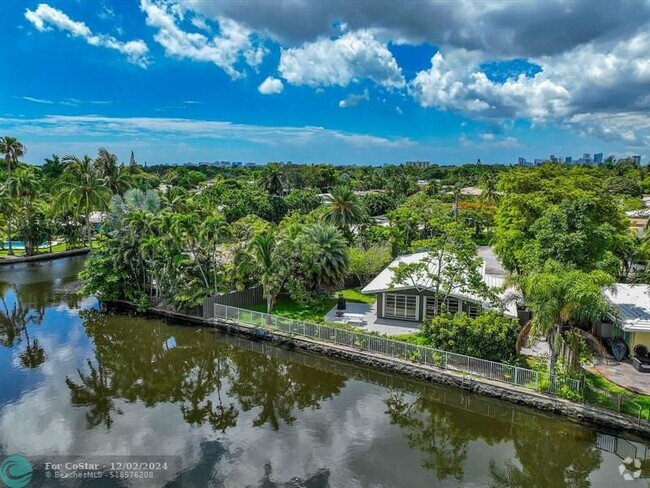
[(374, 324), (623, 374)]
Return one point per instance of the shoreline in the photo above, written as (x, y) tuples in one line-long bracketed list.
[(573, 411), (6, 261)]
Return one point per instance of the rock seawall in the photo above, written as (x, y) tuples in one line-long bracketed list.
[(482, 386)]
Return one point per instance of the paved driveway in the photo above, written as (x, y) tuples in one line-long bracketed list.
[(369, 311)]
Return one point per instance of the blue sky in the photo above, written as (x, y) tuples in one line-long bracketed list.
[(340, 82)]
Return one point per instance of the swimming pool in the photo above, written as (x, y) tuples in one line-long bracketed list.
[(19, 245)]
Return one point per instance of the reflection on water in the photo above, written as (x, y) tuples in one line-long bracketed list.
[(240, 413)]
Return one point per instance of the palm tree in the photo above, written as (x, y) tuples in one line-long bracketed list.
[(116, 178), (345, 210), (560, 297), (263, 254), (82, 189), (272, 181), (8, 209), (329, 257), (133, 199), (13, 149), (490, 195), (213, 231)]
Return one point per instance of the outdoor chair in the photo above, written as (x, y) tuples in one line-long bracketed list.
[(641, 362)]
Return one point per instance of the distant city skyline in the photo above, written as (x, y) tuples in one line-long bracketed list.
[(323, 81)]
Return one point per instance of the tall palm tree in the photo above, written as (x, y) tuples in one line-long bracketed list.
[(345, 210), (262, 251), (8, 209), (212, 233), (82, 189), (116, 178), (13, 150)]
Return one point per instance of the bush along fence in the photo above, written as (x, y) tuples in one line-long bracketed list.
[(557, 385)]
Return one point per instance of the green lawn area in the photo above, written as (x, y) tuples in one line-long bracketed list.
[(313, 312), (43, 250), (598, 381)]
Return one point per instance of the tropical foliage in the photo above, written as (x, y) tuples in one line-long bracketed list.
[(176, 234)]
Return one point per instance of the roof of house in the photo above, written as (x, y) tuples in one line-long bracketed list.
[(633, 305), (384, 281)]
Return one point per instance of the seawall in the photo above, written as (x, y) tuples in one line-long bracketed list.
[(44, 257), (482, 386)]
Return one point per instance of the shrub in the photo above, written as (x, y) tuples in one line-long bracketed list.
[(489, 336)]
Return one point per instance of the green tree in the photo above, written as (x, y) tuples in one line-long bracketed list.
[(366, 263), (490, 336), (82, 189), (272, 180), (52, 167), (13, 150), (116, 179), (266, 263), (561, 297), (323, 258), (345, 210), (450, 264)]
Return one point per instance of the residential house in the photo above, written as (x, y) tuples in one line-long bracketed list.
[(415, 301), (632, 318)]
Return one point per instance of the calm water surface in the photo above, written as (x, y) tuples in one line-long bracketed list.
[(74, 381)]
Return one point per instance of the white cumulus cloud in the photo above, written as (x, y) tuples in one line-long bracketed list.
[(270, 86), (352, 100), (350, 57), (45, 17), (232, 45)]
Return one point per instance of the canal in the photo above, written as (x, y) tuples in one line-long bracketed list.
[(77, 382)]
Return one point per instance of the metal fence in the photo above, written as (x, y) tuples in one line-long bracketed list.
[(618, 402), (505, 373)]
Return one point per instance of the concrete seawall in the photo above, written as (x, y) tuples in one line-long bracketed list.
[(482, 386), (43, 257)]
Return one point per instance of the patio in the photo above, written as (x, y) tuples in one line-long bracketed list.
[(372, 323), (623, 374)]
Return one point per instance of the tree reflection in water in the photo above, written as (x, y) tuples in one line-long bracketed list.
[(15, 318), (560, 455), (136, 360)]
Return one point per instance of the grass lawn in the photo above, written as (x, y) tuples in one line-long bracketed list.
[(611, 390), (313, 312), (43, 250)]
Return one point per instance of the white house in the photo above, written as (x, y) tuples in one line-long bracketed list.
[(415, 300), (632, 322)]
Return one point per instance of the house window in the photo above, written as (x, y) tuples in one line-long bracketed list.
[(450, 305), (401, 306), (472, 309)]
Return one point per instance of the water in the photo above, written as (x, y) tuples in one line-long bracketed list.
[(76, 382)]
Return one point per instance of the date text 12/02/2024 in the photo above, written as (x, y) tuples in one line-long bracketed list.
[(127, 467)]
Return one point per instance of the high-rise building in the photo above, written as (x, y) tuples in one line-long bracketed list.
[(598, 158), (568, 159), (538, 162), (552, 158), (636, 159), (419, 164), (521, 161)]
